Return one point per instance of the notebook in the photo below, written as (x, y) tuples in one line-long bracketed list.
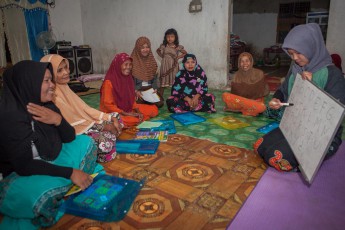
[(187, 118), (229, 122), (108, 199), (137, 146), (268, 128), (152, 135), (164, 125)]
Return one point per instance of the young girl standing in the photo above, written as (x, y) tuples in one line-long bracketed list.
[(170, 51)]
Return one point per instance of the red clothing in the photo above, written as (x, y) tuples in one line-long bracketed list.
[(109, 104)]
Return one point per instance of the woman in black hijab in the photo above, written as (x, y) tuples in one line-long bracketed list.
[(39, 152)]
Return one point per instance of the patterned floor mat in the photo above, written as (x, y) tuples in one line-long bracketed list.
[(191, 184), (241, 137)]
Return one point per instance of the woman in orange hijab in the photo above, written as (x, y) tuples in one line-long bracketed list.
[(102, 127), (248, 88), (118, 94)]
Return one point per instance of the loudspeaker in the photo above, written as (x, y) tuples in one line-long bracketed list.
[(83, 57), (70, 56)]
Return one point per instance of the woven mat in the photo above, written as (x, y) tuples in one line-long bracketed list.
[(191, 184)]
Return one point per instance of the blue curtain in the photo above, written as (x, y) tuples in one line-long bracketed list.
[(36, 22)]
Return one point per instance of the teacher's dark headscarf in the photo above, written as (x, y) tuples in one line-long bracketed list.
[(22, 84), (307, 39)]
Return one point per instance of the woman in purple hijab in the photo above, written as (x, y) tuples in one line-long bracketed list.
[(306, 47)]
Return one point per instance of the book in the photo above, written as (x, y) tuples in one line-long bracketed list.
[(187, 118), (152, 135), (137, 146), (75, 188), (268, 128), (107, 199), (163, 125), (150, 96), (229, 122)]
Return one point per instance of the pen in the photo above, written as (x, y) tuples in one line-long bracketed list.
[(282, 103)]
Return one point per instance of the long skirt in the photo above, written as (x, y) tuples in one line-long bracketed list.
[(247, 107), (31, 202), (206, 104), (276, 152)]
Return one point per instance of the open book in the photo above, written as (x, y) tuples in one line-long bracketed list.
[(150, 96)]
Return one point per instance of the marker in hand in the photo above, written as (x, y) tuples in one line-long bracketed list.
[(281, 103)]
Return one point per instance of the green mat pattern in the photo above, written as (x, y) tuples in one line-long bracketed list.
[(242, 137)]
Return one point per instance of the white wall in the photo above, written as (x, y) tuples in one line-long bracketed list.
[(256, 29), (112, 26), (336, 29), (66, 21)]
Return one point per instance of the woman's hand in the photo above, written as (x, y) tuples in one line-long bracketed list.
[(189, 101), (138, 94), (134, 114), (274, 103), (80, 178), (117, 125), (307, 75), (195, 100), (44, 115)]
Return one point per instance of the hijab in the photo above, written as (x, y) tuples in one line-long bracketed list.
[(196, 72), (144, 68), (251, 76), (74, 109), (251, 83), (307, 39), (22, 84), (123, 85)]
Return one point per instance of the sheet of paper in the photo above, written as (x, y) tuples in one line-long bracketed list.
[(150, 96)]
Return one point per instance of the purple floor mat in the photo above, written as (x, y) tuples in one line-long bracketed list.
[(286, 201)]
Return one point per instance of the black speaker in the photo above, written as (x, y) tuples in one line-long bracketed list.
[(70, 56), (83, 57)]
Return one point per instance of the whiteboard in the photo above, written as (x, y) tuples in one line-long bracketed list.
[(310, 125)]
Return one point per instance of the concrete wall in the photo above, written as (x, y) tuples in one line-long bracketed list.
[(336, 29), (112, 26), (66, 21), (257, 29)]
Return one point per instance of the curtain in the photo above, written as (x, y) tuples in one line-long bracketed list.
[(36, 22), (2, 42), (23, 20), (15, 29)]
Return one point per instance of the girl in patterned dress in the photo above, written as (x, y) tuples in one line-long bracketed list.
[(170, 51)]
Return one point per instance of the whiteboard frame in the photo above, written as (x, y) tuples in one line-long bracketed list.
[(306, 172)]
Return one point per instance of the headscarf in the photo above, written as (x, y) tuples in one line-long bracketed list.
[(190, 82), (307, 39), (74, 109), (251, 76), (123, 86), (336, 59), (251, 83), (196, 71), (144, 68), (22, 84)]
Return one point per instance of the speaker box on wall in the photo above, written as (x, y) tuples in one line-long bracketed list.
[(84, 60), (70, 56)]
